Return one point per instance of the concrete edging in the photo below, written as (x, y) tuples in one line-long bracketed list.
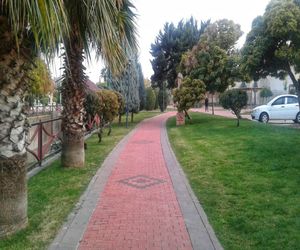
[(70, 234), (200, 231)]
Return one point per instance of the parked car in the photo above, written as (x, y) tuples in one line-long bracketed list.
[(282, 107)]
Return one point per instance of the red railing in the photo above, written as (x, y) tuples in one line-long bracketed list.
[(92, 122), (43, 139), (46, 138)]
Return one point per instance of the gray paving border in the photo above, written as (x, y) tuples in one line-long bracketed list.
[(69, 236), (200, 231)]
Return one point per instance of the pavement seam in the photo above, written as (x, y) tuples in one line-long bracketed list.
[(178, 177)]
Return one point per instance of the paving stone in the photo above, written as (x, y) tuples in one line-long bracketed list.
[(139, 199)]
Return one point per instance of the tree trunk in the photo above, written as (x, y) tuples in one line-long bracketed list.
[(187, 115), (298, 94), (13, 131), (120, 119), (13, 194), (296, 82), (131, 117), (212, 104), (73, 97)]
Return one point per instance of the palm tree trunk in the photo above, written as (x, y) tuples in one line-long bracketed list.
[(73, 112), (13, 194), (13, 131)]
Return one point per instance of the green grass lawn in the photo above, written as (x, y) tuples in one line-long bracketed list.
[(247, 179), (53, 193)]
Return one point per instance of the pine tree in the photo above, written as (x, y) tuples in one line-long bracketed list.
[(168, 48)]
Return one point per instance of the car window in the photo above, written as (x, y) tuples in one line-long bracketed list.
[(291, 100), (279, 101)]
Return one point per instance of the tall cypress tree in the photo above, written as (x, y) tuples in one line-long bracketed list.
[(127, 84), (142, 93), (169, 45)]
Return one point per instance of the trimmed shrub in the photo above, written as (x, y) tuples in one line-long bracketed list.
[(234, 99), (109, 105), (189, 93), (265, 93)]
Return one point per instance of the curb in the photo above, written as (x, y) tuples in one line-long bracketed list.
[(70, 234), (201, 233)]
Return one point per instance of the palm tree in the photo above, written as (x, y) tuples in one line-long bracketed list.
[(25, 27), (107, 26)]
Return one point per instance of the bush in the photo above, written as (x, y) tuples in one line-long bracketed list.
[(109, 105), (189, 93), (92, 104), (265, 93), (150, 99), (121, 102), (106, 103), (234, 99)]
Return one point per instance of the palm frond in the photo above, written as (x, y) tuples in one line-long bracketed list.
[(46, 19), (113, 31)]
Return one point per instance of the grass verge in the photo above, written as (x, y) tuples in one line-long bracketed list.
[(53, 192), (247, 179)]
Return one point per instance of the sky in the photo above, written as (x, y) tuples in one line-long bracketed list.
[(153, 14)]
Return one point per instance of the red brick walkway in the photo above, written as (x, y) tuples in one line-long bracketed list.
[(138, 208)]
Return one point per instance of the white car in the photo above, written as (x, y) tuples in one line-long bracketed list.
[(282, 107)]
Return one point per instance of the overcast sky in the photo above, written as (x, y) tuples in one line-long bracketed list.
[(153, 14)]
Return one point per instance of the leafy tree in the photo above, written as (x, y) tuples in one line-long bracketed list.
[(25, 28), (224, 33), (104, 103), (213, 60), (190, 92), (40, 82), (109, 27), (234, 99), (92, 105), (40, 79), (142, 94), (121, 101), (109, 105), (272, 47), (150, 98), (168, 48), (210, 64)]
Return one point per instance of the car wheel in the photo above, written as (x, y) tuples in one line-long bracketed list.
[(264, 117), (297, 120)]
